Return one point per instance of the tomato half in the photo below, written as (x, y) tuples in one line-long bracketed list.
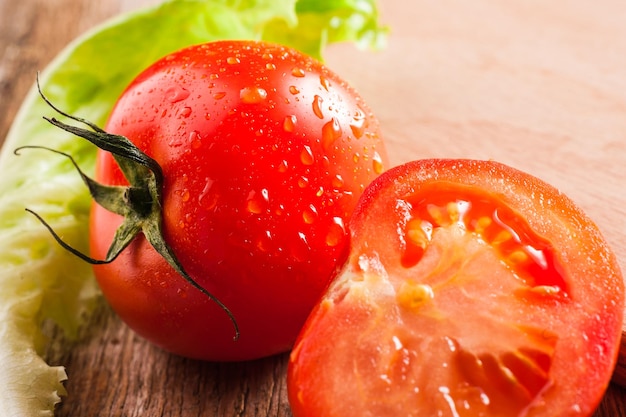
[(265, 153), (472, 289)]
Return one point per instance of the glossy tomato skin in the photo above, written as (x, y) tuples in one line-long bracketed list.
[(265, 153), (472, 289)]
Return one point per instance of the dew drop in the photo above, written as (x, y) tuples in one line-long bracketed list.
[(269, 66), (267, 55), (293, 89), (309, 214), (185, 112), (377, 163), (331, 131), (317, 106), (336, 232), (176, 94), (208, 197), (256, 202), (219, 96), (337, 181), (264, 242), (195, 139), (232, 60), (324, 82), (297, 72), (358, 125), (254, 206), (306, 156), (282, 167), (301, 251), (303, 182), (289, 124), (185, 195), (252, 95)]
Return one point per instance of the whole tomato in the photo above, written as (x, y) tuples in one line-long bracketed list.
[(264, 153)]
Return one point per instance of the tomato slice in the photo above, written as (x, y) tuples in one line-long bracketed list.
[(472, 289)]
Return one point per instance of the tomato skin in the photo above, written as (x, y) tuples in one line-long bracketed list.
[(265, 153), (475, 338)]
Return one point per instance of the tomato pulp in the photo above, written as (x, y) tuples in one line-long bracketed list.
[(472, 289), (265, 153)]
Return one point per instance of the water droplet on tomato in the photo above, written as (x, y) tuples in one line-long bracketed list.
[(176, 93), (289, 124), (306, 156), (254, 206), (358, 124), (185, 112), (377, 163), (185, 195), (269, 66), (357, 130), (208, 198), (309, 214), (301, 250), (267, 56), (297, 72), (317, 106), (257, 202), (293, 89), (219, 96), (232, 60), (252, 95), (282, 167), (356, 158), (336, 232), (264, 242), (324, 82), (303, 182), (195, 139), (337, 181), (331, 131)]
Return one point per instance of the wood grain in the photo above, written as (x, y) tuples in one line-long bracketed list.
[(537, 85)]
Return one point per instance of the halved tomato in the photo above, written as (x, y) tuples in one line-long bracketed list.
[(472, 289)]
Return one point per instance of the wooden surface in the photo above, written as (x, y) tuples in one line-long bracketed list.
[(539, 85)]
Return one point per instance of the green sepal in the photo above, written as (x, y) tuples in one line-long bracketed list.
[(139, 203)]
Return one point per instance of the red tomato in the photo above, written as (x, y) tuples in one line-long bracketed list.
[(265, 153), (472, 289)]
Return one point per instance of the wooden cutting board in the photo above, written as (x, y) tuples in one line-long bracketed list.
[(535, 84)]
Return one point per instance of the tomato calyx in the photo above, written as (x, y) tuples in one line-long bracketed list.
[(139, 203)]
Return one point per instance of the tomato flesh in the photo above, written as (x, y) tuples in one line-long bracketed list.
[(265, 153), (472, 289)]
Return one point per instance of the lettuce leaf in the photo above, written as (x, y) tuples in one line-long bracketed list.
[(39, 281)]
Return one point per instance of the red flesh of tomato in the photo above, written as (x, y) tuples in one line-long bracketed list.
[(472, 289), (265, 153)]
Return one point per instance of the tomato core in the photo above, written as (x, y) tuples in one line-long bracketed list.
[(530, 257)]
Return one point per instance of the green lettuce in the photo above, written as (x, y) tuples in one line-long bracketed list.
[(39, 281)]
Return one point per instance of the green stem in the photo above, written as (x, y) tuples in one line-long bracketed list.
[(139, 203)]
